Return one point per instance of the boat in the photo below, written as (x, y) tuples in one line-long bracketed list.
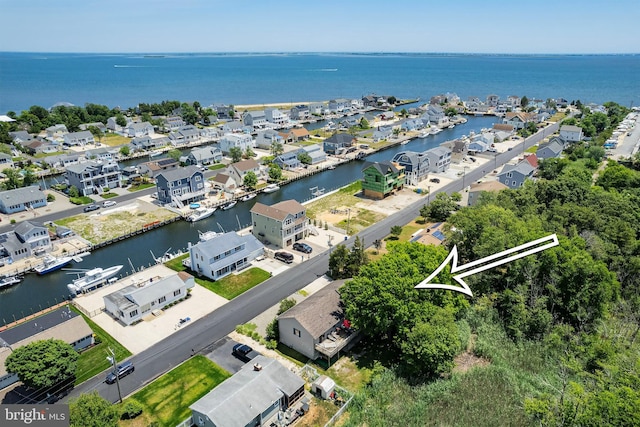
[(167, 256), (452, 126), (7, 281), (435, 130), (51, 263), (331, 167), (92, 279), (271, 188), (229, 205), (424, 134), (200, 213), (248, 197), (404, 142), (155, 153)]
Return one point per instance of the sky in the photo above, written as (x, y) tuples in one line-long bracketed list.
[(461, 26)]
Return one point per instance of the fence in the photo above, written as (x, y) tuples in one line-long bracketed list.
[(310, 374)]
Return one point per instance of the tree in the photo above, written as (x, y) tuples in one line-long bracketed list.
[(404, 112), (13, 179), (124, 150), (250, 180), (338, 261), (121, 120), (524, 102), (364, 123), (236, 154), (424, 212), (285, 305), (175, 154), (357, 258), (377, 244), (276, 148), (43, 364), (275, 173), (395, 231), (92, 410), (440, 207), (450, 111), (29, 178), (304, 158), (96, 132), (73, 191), (249, 153)]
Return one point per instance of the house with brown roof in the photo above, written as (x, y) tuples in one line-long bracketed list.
[(477, 189), (155, 167), (222, 181), (518, 119), (281, 224), (316, 327), (240, 169), (295, 135)]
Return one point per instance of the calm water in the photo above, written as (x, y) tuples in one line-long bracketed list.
[(125, 80)]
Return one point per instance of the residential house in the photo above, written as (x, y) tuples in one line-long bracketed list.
[(317, 109), (148, 143), (316, 326), (513, 176), (370, 100), (476, 190), (382, 179), (276, 117), (571, 133), (315, 152), (180, 186), (56, 131), (435, 114), (438, 99), (416, 166), (255, 119), (240, 169), (130, 174), (204, 156), (332, 144), (411, 125), (518, 119), (131, 303), (295, 135), (81, 138), (235, 127), (6, 161), (265, 138), (64, 160), (218, 256), (155, 167), (300, 112), (348, 122), (134, 130), (514, 101), (23, 241), (62, 324), (101, 154), (173, 123), (184, 135), (477, 146), (382, 133), (242, 141), (21, 137), (339, 105), (225, 112), (550, 149), (22, 199), (492, 100), (288, 160), (222, 181), (39, 146), (92, 177), (502, 131), (439, 159), (254, 396), (98, 125), (281, 224)]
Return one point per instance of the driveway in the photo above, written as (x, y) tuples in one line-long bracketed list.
[(220, 354)]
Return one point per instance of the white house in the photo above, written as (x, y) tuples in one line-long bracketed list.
[(230, 140), (571, 133)]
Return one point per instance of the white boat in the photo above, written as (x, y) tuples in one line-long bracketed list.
[(51, 263), (452, 126), (331, 167), (404, 142), (7, 281), (271, 188), (92, 279), (155, 153), (424, 134), (201, 213), (248, 197), (229, 205), (167, 256), (435, 130)]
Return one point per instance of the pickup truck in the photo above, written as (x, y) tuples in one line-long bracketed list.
[(244, 352)]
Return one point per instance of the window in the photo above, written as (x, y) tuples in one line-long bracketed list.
[(296, 332), (162, 299), (176, 292), (133, 313)]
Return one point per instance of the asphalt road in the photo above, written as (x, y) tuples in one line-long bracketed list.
[(200, 336)]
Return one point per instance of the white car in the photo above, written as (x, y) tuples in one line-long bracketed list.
[(108, 204)]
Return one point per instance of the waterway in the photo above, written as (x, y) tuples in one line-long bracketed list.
[(38, 292)]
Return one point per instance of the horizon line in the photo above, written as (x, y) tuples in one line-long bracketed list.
[(327, 52)]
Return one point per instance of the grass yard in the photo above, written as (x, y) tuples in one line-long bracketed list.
[(138, 187), (216, 166), (114, 140), (360, 220), (235, 284), (176, 263), (94, 360), (166, 400)]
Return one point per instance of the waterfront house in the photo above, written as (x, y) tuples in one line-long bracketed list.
[(224, 112), (337, 141), (98, 125), (155, 167), (223, 254), (254, 396), (439, 159), (81, 138), (21, 137), (101, 154), (205, 156), (235, 127), (242, 141), (24, 241), (315, 326), (502, 131), (317, 108), (184, 135), (148, 143), (180, 186), (300, 112), (513, 176), (134, 130), (265, 138), (476, 190), (315, 152), (416, 166), (518, 119), (409, 125), (222, 181), (22, 199), (514, 101), (240, 169), (550, 149), (62, 324), (92, 177), (255, 119), (492, 100), (348, 122), (571, 133), (64, 160), (280, 224), (288, 160), (39, 146), (382, 179), (435, 114), (295, 135), (276, 118), (131, 303), (172, 123), (339, 105), (382, 133)]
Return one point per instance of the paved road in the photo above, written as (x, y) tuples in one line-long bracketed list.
[(202, 334)]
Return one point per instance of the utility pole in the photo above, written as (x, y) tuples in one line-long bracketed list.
[(112, 359), (348, 218)]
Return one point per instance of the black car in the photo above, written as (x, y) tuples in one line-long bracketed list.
[(91, 208), (283, 256), (302, 247), (123, 370), (436, 180), (243, 352)]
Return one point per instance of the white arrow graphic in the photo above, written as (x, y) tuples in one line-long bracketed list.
[(537, 245)]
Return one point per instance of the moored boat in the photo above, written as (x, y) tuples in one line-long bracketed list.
[(248, 197), (201, 213), (229, 205), (271, 188), (7, 281), (51, 263), (92, 279)]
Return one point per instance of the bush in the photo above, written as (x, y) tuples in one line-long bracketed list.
[(272, 344), (130, 410), (273, 333), (51, 198)]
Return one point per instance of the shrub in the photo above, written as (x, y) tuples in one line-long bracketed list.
[(51, 198), (130, 410)]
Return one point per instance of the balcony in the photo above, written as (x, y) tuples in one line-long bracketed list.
[(336, 341)]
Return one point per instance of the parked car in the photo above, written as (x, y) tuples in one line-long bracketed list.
[(123, 370), (91, 207), (436, 180), (283, 256), (302, 247), (243, 352), (108, 203)]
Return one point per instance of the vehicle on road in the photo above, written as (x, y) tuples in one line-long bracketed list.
[(302, 247), (108, 203), (92, 207), (436, 180), (283, 256), (243, 352), (122, 371)]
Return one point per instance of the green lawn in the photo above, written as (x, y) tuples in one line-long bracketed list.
[(94, 360), (114, 140), (176, 263), (216, 166), (167, 399), (235, 284), (141, 187)]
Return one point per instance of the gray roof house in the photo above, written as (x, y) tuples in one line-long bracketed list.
[(251, 397), (93, 176), (256, 119), (205, 155), (315, 152), (336, 141), (513, 176), (6, 161), (571, 133), (240, 140), (184, 135), (21, 136), (81, 138), (439, 159), (416, 166), (288, 160), (276, 117), (180, 186), (223, 254), (382, 133), (131, 303), (300, 112), (134, 130), (146, 142), (24, 240), (550, 149), (281, 224), (98, 125), (265, 138), (22, 199)]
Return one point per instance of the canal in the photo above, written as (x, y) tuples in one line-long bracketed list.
[(38, 292)]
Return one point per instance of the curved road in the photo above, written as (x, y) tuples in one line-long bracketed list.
[(199, 335)]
